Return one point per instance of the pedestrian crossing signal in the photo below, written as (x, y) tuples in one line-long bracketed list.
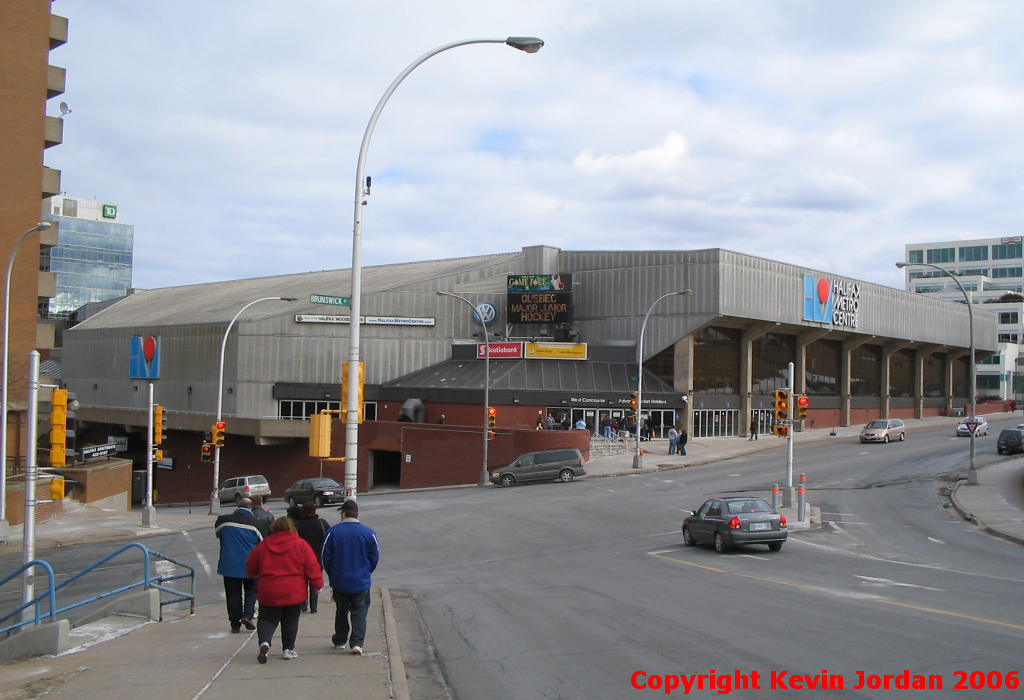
[(206, 454)]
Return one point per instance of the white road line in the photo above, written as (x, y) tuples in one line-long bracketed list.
[(887, 583), (937, 541), (199, 555), (752, 556)]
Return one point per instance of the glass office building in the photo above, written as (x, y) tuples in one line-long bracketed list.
[(93, 256)]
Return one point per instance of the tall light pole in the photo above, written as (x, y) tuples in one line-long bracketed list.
[(214, 498), (527, 44), (41, 226), (638, 458), (972, 472), (487, 377)]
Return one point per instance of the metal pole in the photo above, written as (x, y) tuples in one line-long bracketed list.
[(4, 527), (148, 511), (28, 590), (528, 44), (789, 440), (214, 500)]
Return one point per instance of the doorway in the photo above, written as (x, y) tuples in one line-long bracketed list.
[(385, 470)]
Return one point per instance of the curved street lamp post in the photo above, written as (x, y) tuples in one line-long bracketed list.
[(972, 472), (527, 44), (638, 458)]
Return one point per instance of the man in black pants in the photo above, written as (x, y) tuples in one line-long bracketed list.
[(238, 533)]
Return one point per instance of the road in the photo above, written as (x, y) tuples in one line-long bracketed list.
[(582, 590)]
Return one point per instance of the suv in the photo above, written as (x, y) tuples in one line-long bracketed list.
[(240, 487), (1010, 440), (883, 431), (563, 464)]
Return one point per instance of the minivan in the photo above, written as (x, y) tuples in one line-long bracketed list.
[(239, 487), (883, 431), (564, 464)]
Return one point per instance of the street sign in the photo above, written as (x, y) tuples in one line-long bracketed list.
[(972, 425), (329, 300), (99, 451)]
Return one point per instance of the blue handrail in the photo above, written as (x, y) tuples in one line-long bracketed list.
[(147, 581)]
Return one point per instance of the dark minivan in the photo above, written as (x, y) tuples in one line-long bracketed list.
[(563, 464), (1010, 440)]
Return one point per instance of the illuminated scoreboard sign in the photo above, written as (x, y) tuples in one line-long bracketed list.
[(539, 299)]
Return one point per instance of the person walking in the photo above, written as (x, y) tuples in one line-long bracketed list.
[(287, 569), (753, 427), (350, 555), (312, 529), (263, 516), (673, 438), (682, 441), (239, 533)]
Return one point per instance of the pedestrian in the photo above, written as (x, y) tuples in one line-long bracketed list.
[(294, 512), (440, 421), (549, 422), (312, 528), (753, 427), (287, 569), (540, 423), (581, 424), (682, 441), (239, 533), (350, 554), (673, 440), (263, 516), (606, 427)]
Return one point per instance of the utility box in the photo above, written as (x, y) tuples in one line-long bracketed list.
[(138, 486)]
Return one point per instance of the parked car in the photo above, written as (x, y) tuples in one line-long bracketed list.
[(963, 431), (1010, 440), (239, 487), (564, 464), (727, 522), (321, 491), (883, 431)]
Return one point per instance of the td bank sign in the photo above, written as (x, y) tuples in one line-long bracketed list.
[(832, 301)]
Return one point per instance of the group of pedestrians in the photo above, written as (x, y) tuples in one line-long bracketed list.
[(279, 562), (676, 440)]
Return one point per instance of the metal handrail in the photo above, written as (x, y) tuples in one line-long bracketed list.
[(147, 581)]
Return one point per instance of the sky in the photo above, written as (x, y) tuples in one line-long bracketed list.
[(822, 134)]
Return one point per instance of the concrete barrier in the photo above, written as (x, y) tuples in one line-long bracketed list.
[(47, 638)]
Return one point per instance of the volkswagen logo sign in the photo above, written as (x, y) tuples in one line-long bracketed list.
[(485, 313)]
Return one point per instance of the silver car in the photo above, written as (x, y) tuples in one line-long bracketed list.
[(964, 430), (883, 431), (239, 487)]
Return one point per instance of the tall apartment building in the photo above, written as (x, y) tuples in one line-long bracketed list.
[(92, 260), (28, 32), (991, 270)]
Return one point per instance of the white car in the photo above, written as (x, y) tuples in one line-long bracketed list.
[(963, 431)]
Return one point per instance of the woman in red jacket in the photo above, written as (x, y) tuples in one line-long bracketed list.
[(284, 567)]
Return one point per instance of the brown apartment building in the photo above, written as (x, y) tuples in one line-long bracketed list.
[(28, 32)]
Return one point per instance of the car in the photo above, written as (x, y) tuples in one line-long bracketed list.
[(883, 431), (735, 520), (1010, 440), (321, 491), (963, 431), (564, 464), (239, 487)]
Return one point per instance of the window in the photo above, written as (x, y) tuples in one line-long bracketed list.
[(929, 289), (941, 255), (993, 360), (1006, 251), (974, 252), (916, 256), (1002, 272), (1007, 338), (1009, 317), (973, 271)]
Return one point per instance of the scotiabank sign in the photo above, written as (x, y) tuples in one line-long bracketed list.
[(506, 350)]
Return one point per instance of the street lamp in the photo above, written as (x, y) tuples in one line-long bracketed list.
[(41, 226), (527, 44), (487, 377), (638, 458), (214, 498), (972, 472)]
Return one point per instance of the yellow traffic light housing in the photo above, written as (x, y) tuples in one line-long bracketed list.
[(57, 488), (217, 433), (781, 405), (344, 391), (206, 453), (320, 435), (802, 402), (58, 427), (780, 430), (159, 425), (492, 417)]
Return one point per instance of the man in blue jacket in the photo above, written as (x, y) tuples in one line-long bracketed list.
[(349, 556), (239, 533)]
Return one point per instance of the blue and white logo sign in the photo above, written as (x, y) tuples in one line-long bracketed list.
[(485, 313)]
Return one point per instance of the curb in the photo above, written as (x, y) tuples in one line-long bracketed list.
[(972, 518), (396, 666)]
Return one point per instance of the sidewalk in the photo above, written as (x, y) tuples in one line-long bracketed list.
[(198, 657)]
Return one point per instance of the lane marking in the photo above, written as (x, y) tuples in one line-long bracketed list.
[(885, 582), (199, 555), (937, 541)]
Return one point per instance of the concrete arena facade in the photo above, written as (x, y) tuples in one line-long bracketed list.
[(711, 360)]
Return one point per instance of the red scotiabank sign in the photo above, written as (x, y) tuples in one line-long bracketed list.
[(498, 350)]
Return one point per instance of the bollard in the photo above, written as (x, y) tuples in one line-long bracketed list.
[(775, 498), (801, 508)]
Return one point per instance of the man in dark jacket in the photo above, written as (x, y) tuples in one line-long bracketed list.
[(312, 528), (350, 554), (263, 516), (238, 533)]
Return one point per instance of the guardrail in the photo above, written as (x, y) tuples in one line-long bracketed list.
[(147, 581)]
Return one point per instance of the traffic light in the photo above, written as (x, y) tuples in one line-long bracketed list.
[(492, 417), (57, 488), (802, 402), (159, 425), (781, 405), (780, 430), (59, 433), (320, 435), (634, 401), (344, 391), (206, 453), (217, 433)]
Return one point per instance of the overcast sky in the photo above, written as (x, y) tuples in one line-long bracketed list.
[(824, 134)]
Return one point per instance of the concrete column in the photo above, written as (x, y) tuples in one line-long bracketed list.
[(947, 381), (919, 358), (888, 350), (800, 362), (750, 334), (683, 379), (849, 345)]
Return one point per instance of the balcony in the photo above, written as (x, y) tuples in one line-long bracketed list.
[(54, 132), (51, 182), (56, 79), (49, 237), (47, 284), (58, 31)]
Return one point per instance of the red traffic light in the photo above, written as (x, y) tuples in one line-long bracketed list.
[(492, 411), (802, 401), (221, 425)]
